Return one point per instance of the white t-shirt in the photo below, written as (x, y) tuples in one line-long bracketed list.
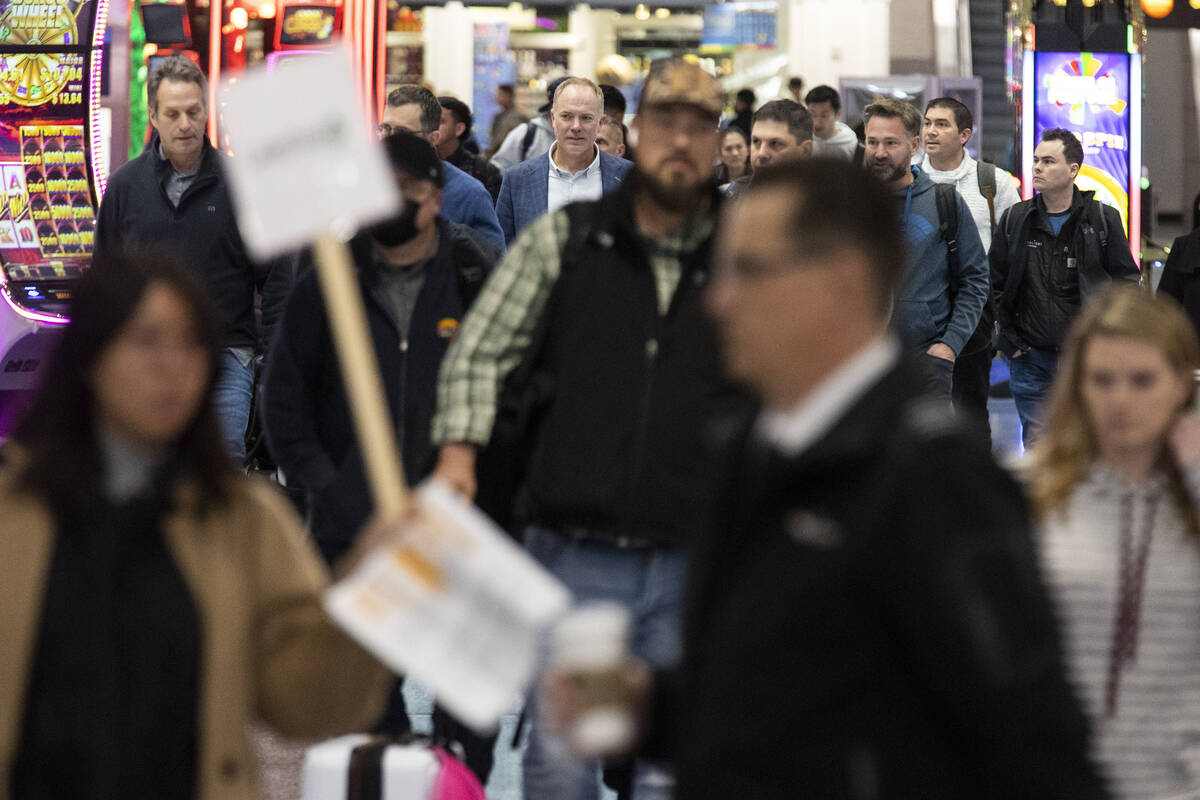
[(842, 144)]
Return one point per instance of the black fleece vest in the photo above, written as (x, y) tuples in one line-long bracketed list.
[(620, 449)]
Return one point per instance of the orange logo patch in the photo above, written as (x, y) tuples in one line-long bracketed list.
[(447, 328)]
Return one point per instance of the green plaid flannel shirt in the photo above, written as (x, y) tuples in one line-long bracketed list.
[(495, 334)]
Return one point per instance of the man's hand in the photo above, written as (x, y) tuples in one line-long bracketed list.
[(941, 351), (568, 699), (456, 467), (1184, 439)]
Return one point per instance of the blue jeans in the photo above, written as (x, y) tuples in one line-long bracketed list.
[(650, 584), (233, 391), (1030, 378)]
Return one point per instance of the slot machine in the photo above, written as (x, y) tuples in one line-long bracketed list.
[(288, 30), (1081, 69), (51, 163), (304, 30)]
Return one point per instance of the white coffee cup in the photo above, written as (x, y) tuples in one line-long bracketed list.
[(591, 647)]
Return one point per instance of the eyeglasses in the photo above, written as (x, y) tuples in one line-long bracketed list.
[(384, 130), (747, 270)]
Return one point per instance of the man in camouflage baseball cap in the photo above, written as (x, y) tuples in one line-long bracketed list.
[(678, 138), (612, 472), (678, 82)]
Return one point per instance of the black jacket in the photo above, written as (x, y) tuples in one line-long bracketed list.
[(633, 390), (867, 620), (1180, 279), (478, 168), (202, 232), (1039, 279), (308, 422)]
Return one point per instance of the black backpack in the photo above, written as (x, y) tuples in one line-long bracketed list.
[(947, 205)]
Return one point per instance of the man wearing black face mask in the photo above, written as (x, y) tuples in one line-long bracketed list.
[(418, 275)]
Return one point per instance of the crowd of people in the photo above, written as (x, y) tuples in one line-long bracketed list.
[(730, 372)]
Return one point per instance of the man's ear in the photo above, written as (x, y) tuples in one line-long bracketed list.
[(435, 137), (459, 130), (964, 136), (806, 148)]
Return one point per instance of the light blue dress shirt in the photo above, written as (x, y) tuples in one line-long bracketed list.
[(572, 187)]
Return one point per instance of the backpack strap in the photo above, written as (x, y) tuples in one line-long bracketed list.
[(947, 206), (1098, 222), (527, 142), (580, 217), (985, 174)]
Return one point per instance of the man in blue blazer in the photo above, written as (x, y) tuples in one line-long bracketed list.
[(574, 170)]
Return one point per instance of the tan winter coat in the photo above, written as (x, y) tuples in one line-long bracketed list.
[(268, 650)]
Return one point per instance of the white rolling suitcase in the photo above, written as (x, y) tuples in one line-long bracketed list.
[(363, 767)]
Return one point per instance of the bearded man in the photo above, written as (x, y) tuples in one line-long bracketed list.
[(605, 297)]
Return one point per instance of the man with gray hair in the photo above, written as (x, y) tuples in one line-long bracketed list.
[(414, 109), (782, 130), (573, 170), (173, 197)]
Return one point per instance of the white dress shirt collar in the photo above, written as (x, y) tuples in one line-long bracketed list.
[(591, 168), (794, 430), (564, 187)]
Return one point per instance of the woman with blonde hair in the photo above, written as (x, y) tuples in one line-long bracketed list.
[(1114, 485)]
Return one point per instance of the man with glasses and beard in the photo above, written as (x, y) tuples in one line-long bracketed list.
[(605, 297)]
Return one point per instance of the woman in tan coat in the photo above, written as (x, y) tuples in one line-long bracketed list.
[(152, 601)]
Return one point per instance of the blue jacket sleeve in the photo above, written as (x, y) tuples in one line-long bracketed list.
[(970, 284), (480, 215), (504, 209)]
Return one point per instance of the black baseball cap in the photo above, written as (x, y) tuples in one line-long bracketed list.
[(415, 157)]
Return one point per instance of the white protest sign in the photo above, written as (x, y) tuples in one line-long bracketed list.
[(304, 161), (456, 605)]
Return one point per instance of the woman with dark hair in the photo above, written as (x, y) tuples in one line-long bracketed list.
[(1114, 482), (735, 155), (152, 600)]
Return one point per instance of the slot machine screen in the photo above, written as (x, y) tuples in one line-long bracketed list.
[(166, 24), (1089, 95), (307, 25)]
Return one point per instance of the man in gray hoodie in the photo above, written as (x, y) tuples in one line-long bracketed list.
[(940, 299), (831, 138)]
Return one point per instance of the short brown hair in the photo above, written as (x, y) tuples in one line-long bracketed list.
[(963, 118), (799, 122), (175, 68), (893, 108), (411, 93)]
